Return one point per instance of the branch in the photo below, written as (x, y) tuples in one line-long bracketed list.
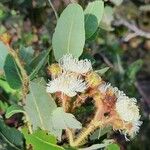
[(132, 27), (55, 12)]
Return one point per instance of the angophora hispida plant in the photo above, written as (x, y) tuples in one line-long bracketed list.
[(75, 79), (72, 83)]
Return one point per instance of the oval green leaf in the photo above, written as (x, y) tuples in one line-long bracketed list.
[(69, 35), (113, 146), (13, 110), (3, 54), (11, 137), (41, 140), (107, 18), (41, 104), (102, 71), (63, 120), (12, 73), (93, 15)]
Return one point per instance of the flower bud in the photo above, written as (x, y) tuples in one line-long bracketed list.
[(93, 79), (54, 70), (5, 37)]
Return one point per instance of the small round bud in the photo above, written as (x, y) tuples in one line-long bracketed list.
[(5, 37), (54, 70), (93, 79)]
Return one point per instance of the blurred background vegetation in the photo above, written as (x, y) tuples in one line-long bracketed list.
[(122, 43)]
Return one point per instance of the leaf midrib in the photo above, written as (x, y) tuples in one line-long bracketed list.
[(51, 144), (7, 140), (38, 111), (69, 35)]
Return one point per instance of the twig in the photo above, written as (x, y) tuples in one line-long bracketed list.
[(107, 61), (55, 12), (69, 132), (132, 27), (120, 67)]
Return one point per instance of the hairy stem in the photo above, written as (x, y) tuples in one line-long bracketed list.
[(85, 133), (70, 135), (65, 105)]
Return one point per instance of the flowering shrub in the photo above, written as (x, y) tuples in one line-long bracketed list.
[(47, 90)]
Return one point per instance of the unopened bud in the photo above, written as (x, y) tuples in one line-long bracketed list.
[(5, 37), (54, 70), (93, 79)]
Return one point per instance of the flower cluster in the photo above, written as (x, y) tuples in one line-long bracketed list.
[(125, 113), (76, 78), (68, 84), (68, 76)]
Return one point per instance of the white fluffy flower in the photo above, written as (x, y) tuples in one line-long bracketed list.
[(69, 63), (107, 86), (127, 109), (68, 84), (104, 87), (135, 128), (119, 94)]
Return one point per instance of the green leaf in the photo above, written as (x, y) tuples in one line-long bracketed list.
[(93, 15), (100, 132), (13, 110), (3, 106), (6, 87), (104, 144), (3, 54), (69, 35), (12, 73), (107, 19), (40, 140), (113, 147), (87, 55), (26, 54), (63, 120), (11, 137), (38, 63), (116, 2), (16, 94), (102, 71), (133, 69), (40, 80), (67, 147), (40, 104)]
